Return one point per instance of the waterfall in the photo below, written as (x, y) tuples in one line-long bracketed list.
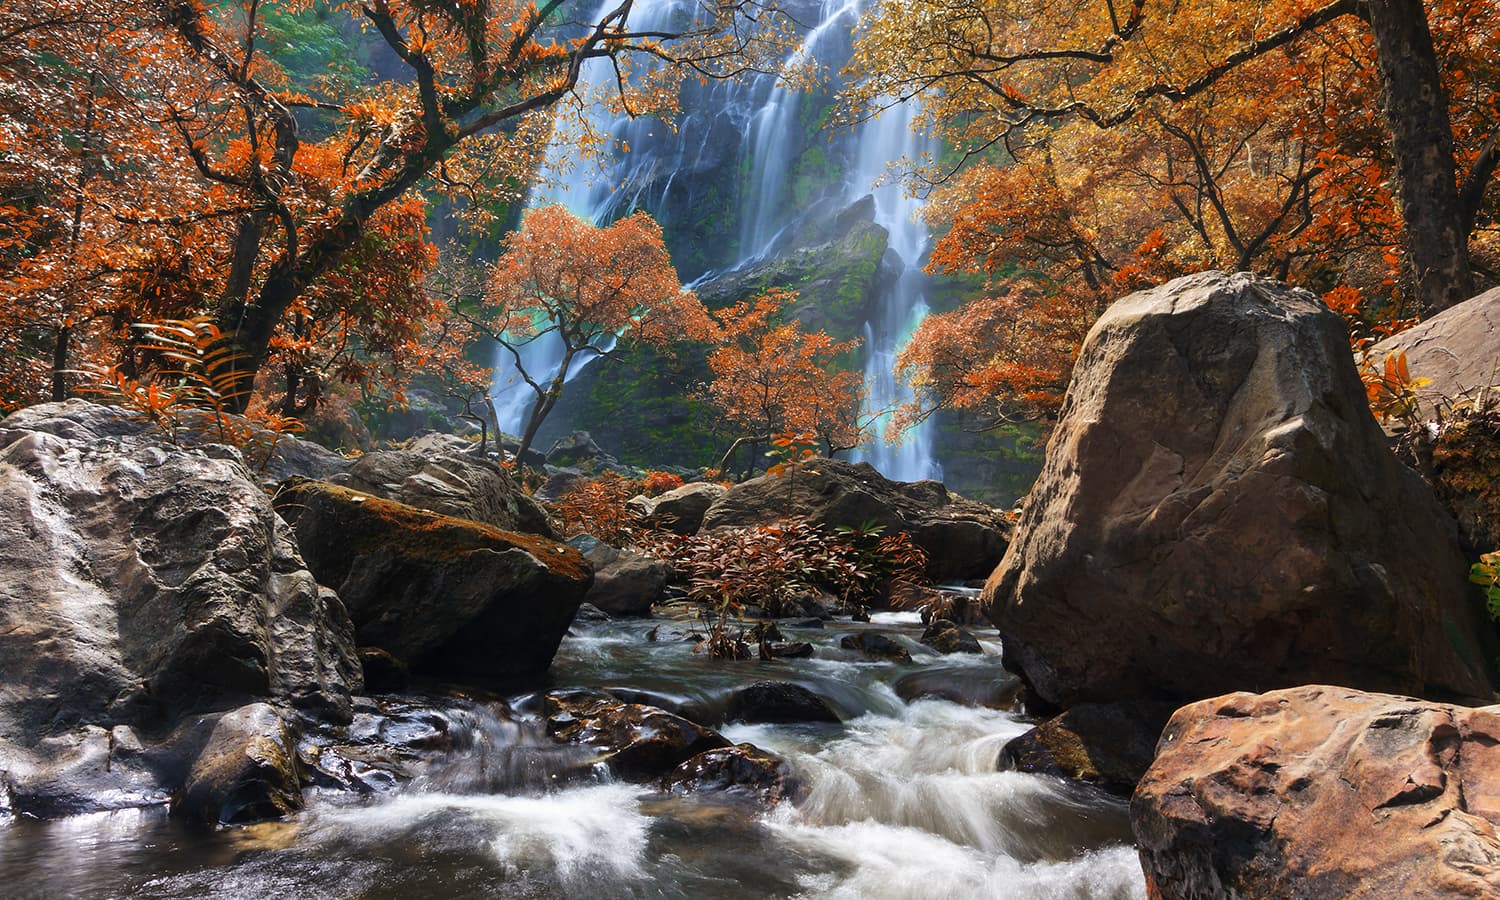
[(588, 191), (762, 124)]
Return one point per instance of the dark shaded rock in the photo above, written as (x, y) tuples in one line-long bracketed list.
[(588, 613), (444, 595), (742, 769), (638, 743), (1107, 745), (450, 482), (140, 584), (560, 483), (1460, 458), (1322, 792), (786, 650), (247, 772), (946, 637), (777, 702), (962, 539), (875, 646), (681, 509), (625, 583), (578, 451), (384, 673), (968, 686), (1218, 509)]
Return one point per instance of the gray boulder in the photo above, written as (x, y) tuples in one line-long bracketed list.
[(1219, 510), (452, 483), (140, 584), (681, 509), (625, 583), (1457, 350), (963, 539), (443, 595)]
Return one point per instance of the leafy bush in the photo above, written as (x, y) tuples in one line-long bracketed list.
[(770, 566), (190, 387)]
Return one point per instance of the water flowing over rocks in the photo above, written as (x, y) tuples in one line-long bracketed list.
[(638, 743), (1219, 510), (962, 539), (451, 483), (444, 595), (741, 769), (1322, 792), (141, 582)]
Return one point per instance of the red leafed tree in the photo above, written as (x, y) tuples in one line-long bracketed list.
[(771, 377), (560, 278)]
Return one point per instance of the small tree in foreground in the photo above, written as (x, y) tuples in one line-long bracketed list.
[(592, 288), (772, 377)]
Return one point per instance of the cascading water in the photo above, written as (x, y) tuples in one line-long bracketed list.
[(763, 116), (588, 191), (904, 800)]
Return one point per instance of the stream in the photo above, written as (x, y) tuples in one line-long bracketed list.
[(904, 801)]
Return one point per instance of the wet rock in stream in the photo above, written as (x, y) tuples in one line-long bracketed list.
[(637, 742), (743, 769), (778, 702), (875, 646)]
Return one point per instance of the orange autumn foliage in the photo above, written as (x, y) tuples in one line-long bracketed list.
[(772, 377), (589, 289)]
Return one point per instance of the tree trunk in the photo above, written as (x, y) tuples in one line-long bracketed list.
[(60, 364), (544, 404), (1416, 112)]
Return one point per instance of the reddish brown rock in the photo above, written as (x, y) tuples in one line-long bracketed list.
[(1322, 792), (637, 742), (743, 769)]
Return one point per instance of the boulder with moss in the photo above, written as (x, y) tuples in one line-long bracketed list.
[(444, 595), (454, 483)]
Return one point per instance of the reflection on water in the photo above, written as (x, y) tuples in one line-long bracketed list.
[(904, 802)]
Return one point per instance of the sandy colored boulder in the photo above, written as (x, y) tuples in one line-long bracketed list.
[(1322, 792)]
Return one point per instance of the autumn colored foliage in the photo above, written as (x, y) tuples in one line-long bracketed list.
[(1096, 148), (771, 376), (587, 289), (174, 159)]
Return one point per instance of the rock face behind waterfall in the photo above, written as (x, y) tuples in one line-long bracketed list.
[(1219, 510), (141, 583), (963, 539), (1322, 792), (444, 595)]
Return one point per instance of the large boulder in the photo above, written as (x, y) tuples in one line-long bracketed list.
[(444, 595), (451, 483), (1457, 351), (140, 584), (1322, 792), (625, 583), (963, 539), (1219, 510), (679, 510)]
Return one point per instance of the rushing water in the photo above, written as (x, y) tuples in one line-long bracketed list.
[(905, 802)]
